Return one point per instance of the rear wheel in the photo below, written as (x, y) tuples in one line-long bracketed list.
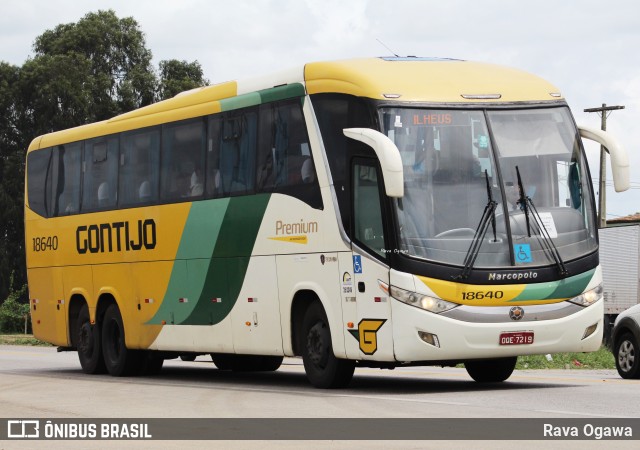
[(120, 361), (88, 343), (323, 369), (627, 354), (491, 370), (150, 362)]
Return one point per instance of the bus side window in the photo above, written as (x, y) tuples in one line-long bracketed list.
[(100, 170), (37, 165), (236, 163), (139, 167), (65, 179), (182, 160), (284, 163)]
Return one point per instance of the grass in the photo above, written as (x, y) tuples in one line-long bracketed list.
[(21, 339), (601, 359)]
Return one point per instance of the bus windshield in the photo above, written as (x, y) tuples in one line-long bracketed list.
[(509, 184)]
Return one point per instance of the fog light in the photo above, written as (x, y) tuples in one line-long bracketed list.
[(429, 338), (589, 331)]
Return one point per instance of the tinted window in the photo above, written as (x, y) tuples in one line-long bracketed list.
[(231, 161), (182, 160), (336, 112), (65, 179), (138, 183), (37, 164), (100, 185), (284, 161), (367, 212)]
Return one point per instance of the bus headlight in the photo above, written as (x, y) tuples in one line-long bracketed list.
[(433, 304), (588, 298)]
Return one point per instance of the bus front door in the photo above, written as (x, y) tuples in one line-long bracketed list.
[(372, 327)]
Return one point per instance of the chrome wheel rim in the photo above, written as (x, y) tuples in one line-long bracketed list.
[(626, 356)]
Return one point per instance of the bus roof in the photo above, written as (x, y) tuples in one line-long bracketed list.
[(405, 79), (429, 80)]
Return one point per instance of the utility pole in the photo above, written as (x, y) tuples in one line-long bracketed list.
[(602, 191)]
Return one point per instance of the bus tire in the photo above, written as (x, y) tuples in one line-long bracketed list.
[(223, 361), (151, 363), (491, 370), (88, 343), (119, 360), (322, 367), (246, 363), (270, 363)]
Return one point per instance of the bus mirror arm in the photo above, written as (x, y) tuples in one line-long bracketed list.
[(619, 158), (388, 155)]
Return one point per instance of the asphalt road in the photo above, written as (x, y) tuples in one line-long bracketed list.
[(38, 382)]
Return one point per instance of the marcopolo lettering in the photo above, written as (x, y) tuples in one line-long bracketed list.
[(116, 236), (494, 276)]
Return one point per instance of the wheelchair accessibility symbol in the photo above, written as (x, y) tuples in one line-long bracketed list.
[(523, 253), (357, 264)]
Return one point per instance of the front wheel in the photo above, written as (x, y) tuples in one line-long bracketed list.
[(627, 356), (491, 370), (322, 367)]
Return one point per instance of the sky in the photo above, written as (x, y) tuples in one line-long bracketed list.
[(589, 49)]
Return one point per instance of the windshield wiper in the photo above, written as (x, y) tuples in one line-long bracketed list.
[(488, 215), (547, 244), (522, 201)]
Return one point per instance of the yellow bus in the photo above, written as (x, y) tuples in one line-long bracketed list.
[(375, 212)]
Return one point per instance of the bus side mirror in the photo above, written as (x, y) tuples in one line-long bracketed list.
[(388, 155), (619, 159)]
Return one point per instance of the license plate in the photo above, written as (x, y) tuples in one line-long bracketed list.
[(516, 338)]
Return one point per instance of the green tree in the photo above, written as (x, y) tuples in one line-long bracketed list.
[(117, 62), (11, 176), (81, 72), (13, 313), (179, 76)]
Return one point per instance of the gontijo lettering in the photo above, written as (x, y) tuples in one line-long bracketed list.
[(116, 236)]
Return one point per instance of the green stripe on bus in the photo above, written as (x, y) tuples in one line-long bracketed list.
[(212, 268), (230, 260), (282, 92), (264, 96), (567, 288), (241, 101), (192, 260), (570, 287)]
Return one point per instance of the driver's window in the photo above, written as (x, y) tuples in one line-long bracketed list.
[(367, 211)]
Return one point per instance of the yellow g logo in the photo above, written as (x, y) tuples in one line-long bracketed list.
[(367, 334)]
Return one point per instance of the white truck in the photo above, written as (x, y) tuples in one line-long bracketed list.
[(619, 258)]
